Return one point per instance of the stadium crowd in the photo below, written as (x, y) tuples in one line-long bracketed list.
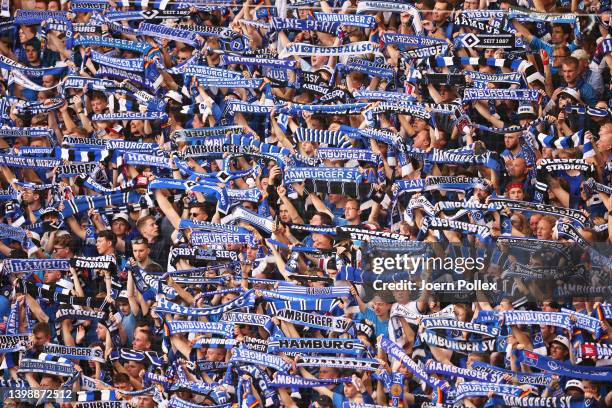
[(222, 203)]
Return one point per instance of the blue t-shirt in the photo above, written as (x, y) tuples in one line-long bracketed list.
[(339, 221), (129, 324), (508, 153), (380, 327)]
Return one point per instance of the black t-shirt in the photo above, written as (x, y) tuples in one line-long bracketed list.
[(160, 249)]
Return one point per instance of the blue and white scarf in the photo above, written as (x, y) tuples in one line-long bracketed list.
[(563, 369), (585, 322), (348, 154), (245, 300), (187, 326), (389, 6), (75, 353), (316, 345), (448, 370), (295, 175), (205, 71), (330, 323), (249, 319), (530, 95), (497, 373), (537, 402), (292, 24), (141, 159), (463, 20), (353, 20), (34, 17), (32, 265), (381, 96), (111, 72), (213, 31), (130, 116), (170, 33), (127, 64), (242, 355), (47, 364), (27, 132), (29, 162), (484, 78), (521, 317), (284, 380), (394, 351), (350, 363), (481, 346), (358, 48), (437, 323), (110, 42), (251, 61), (478, 389), (409, 40), (198, 238), (355, 64)]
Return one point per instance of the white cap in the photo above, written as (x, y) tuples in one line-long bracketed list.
[(122, 295), (327, 69), (574, 384), (563, 340), (571, 92), (526, 110), (121, 216), (580, 54)]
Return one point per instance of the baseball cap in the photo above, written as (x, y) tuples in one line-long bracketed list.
[(326, 68), (571, 92), (121, 216), (577, 384), (580, 54), (563, 340), (123, 296), (526, 110)]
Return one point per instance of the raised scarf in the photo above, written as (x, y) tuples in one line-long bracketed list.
[(188, 326), (396, 352), (245, 300), (302, 49), (317, 345), (562, 368)]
